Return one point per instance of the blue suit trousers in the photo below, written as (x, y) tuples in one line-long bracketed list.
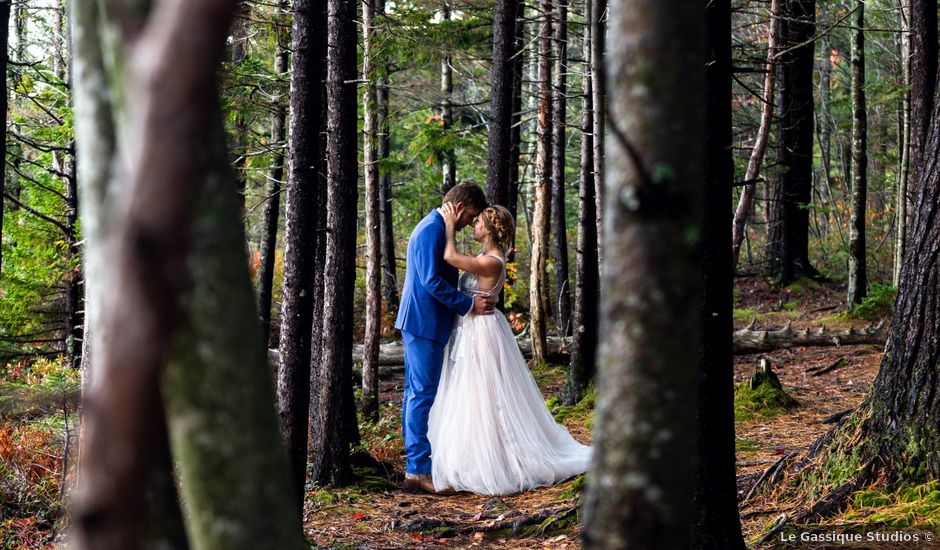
[(424, 360)]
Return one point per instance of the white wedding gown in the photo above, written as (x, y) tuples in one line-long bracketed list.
[(490, 430)]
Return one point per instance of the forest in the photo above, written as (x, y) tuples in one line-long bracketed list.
[(724, 276)]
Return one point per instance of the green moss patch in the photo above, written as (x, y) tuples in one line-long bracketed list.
[(909, 506), (763, 396)]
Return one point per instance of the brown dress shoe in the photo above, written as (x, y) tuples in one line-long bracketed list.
[(424, 482)]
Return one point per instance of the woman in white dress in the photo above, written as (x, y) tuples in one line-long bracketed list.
[(490, 430)]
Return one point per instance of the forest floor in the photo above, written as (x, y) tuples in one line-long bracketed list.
[(376, 513)]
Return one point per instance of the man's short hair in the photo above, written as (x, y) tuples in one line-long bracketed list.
[(468, 193)]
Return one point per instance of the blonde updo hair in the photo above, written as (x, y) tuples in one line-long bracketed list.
[(500, 225)]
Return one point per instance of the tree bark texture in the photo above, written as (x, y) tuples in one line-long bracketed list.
[(498, 151), (302, 218), (902, 199), (559, 219), (515, 155), (539, 290), (370, 359), (924, 51), (858, 271), (643, 466), (716, 524), (788, 245), (582, 366), (177, 265), (904, 401), (272, 192), (335, 415)]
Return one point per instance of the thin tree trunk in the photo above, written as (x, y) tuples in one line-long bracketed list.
[(644, 451), (538, 280), (824, 128), (272, 207), (901, 197), (336, 431), (448, 164), (4, 61), (745, 202), (370, 352), (302, 218), (559, 219), (498, 151), (515, 156), (858, 272), (387, 230), (239, 35), (582, 367), (74, 283), (716, 523), (599, 101)]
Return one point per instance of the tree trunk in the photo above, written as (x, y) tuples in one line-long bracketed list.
[(302, 218), (228, 459), (582, 367), (650, 315), (4, 61), (745, 203), (924, 51), (336, 430), (370, 138), (449, 163), (715, 520), (788, 247), (541, 213), (858, 272), (74, 282), (824, 127), (515, 156), (497, 158), (559, 220), (387, 230), (901, 197), (599, 101), (272, 207)]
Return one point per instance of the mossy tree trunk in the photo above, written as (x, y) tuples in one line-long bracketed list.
[(641, 479), (716, 524), (559, 219), (176, 246)]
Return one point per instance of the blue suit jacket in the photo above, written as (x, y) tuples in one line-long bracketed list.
[(430, 297)]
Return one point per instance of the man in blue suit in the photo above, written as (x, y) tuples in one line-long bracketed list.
[(429, 301)]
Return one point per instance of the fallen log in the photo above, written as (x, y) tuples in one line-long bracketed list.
[(749, 340), (746, 340)]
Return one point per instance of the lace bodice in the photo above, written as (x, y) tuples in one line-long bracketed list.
[(469, 283)]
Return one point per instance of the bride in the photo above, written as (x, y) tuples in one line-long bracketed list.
[(489, 428)]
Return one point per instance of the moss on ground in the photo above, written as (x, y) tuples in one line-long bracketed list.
[(907, 506), (765, 399)]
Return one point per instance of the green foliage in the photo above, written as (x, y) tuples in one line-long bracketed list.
[(877, 304), (741, 444)]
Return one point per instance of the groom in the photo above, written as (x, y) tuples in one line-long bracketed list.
[(429, 301)]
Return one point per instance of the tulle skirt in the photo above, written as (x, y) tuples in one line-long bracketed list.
[(489, 428)]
